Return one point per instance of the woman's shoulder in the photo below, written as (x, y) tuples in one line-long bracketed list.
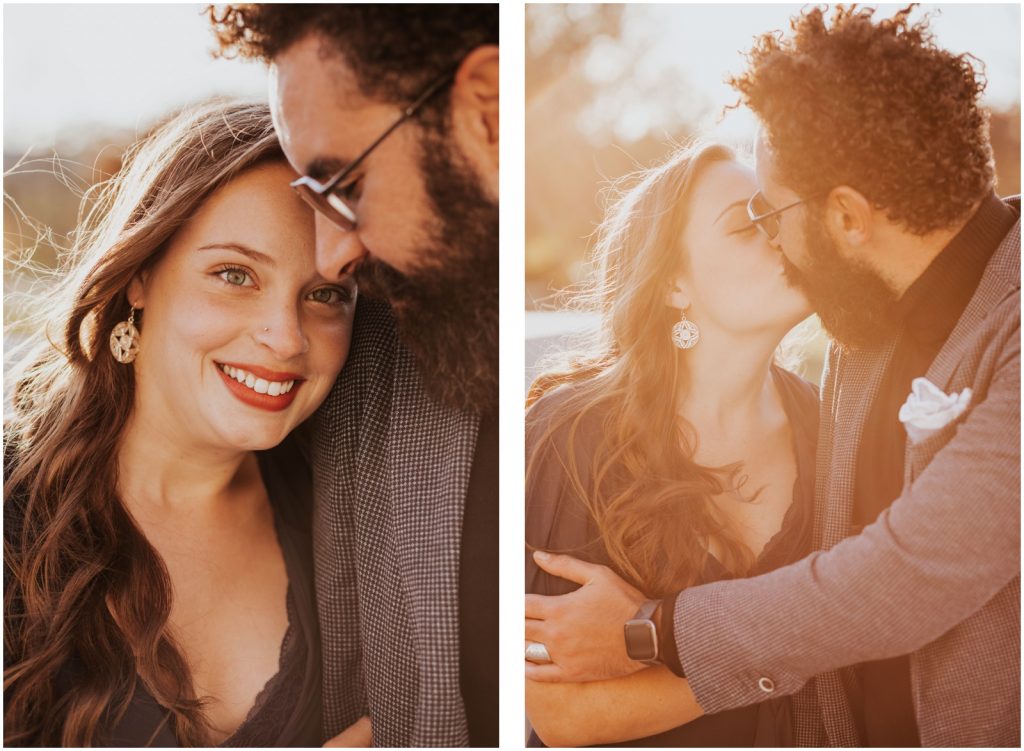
[(562, 435), (562, 411)]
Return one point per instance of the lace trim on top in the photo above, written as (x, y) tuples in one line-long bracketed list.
[(275, 702)]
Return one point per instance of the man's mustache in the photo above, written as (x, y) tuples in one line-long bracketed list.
[(378, 278), (794, 277)]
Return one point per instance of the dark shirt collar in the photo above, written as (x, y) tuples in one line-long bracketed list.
[(934, 303)]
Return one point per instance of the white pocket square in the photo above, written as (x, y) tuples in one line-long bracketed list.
[(928, 409)]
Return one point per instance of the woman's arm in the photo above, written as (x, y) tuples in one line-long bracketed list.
[(585, 714)]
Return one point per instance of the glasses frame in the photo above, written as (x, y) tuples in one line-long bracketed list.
[(322, 196), (759, 219)]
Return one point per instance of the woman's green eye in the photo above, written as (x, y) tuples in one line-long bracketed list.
[(329, 295), (236, 277)]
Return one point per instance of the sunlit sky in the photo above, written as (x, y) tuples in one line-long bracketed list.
[(706, 42), (73, 67)]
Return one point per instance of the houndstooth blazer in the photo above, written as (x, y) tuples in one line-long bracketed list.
[(391, 468), (936, 576)]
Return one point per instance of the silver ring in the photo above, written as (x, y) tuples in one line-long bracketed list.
[(537, 653)]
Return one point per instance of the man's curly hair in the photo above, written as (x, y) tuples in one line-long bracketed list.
[(874, 105), (395, 51)]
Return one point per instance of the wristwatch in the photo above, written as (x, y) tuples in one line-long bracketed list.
[(642, 635)]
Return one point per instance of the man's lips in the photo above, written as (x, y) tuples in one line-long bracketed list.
[(259, 387)]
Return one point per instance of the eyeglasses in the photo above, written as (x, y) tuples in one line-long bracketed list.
[(329, 198), (765, 216)]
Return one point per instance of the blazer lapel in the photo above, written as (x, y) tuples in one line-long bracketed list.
[(431, 451), (857, 378), (1001, 279)]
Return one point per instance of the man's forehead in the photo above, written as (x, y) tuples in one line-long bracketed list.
[(317, 107), (314, 64), (765, 160)]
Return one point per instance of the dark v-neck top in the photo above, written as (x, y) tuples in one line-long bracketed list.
[(287, 711), (556, 520)]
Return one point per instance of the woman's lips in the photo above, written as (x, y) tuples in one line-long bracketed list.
[(258, 387)]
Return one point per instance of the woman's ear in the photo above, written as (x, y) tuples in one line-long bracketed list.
[(136, 292), (678, 297)]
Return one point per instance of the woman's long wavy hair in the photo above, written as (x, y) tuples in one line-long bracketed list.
[(87, 598), (651, 502)]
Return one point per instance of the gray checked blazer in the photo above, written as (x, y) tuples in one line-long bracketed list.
[(937, 576), (390, 470)]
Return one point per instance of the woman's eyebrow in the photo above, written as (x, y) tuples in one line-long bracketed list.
[(244, 250), (729, 208)]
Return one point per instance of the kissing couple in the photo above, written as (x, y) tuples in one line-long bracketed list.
[(251, 475), (718, 552)]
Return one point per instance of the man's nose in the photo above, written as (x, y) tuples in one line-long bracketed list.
[(338, 251)]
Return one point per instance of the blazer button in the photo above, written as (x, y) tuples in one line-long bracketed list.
[(766, 684)]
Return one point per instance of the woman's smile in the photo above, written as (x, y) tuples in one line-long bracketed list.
[(261, 388)]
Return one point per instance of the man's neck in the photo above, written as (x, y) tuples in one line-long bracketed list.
[(907, 256)]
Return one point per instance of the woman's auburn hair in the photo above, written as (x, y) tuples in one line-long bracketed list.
[(650, 501), (86, 597)]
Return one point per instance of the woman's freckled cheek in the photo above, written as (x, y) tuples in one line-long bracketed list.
[(208, 323)]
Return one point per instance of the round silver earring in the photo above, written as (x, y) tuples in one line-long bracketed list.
[(685, 333), (124, 340)]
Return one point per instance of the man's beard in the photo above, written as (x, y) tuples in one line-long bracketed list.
[(446, 308), (856, 307)]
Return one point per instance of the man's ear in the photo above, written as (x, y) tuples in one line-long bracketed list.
[(850, 216), (475, 109)]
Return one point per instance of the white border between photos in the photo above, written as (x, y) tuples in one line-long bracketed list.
[(512, 353)]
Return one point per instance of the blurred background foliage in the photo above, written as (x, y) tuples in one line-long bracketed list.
[(81, 84)]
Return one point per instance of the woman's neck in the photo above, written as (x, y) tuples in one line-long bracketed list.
[(158, 469), (728, 384)]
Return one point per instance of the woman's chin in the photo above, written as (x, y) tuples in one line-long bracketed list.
[(253, 437)]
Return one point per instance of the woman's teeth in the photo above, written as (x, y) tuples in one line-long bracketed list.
[(259, 385)]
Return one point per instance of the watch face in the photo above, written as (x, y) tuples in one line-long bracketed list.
[(641, 640)]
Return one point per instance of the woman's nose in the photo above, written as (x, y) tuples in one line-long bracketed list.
[(338, 251), (281, 331)]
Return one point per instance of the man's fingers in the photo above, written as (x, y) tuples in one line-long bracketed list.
[(547, 673), (535, 630), (567, 567)]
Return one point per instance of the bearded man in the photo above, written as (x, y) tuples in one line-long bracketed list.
[(903, 627)]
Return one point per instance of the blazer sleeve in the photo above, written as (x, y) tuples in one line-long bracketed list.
[(943, 549)]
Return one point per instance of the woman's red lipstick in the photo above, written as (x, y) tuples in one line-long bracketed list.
[(250, 397)]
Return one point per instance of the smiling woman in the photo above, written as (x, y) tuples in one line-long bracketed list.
[(158, 576)]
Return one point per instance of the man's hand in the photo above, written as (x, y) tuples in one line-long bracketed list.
[(356, 735), (583, 630)]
